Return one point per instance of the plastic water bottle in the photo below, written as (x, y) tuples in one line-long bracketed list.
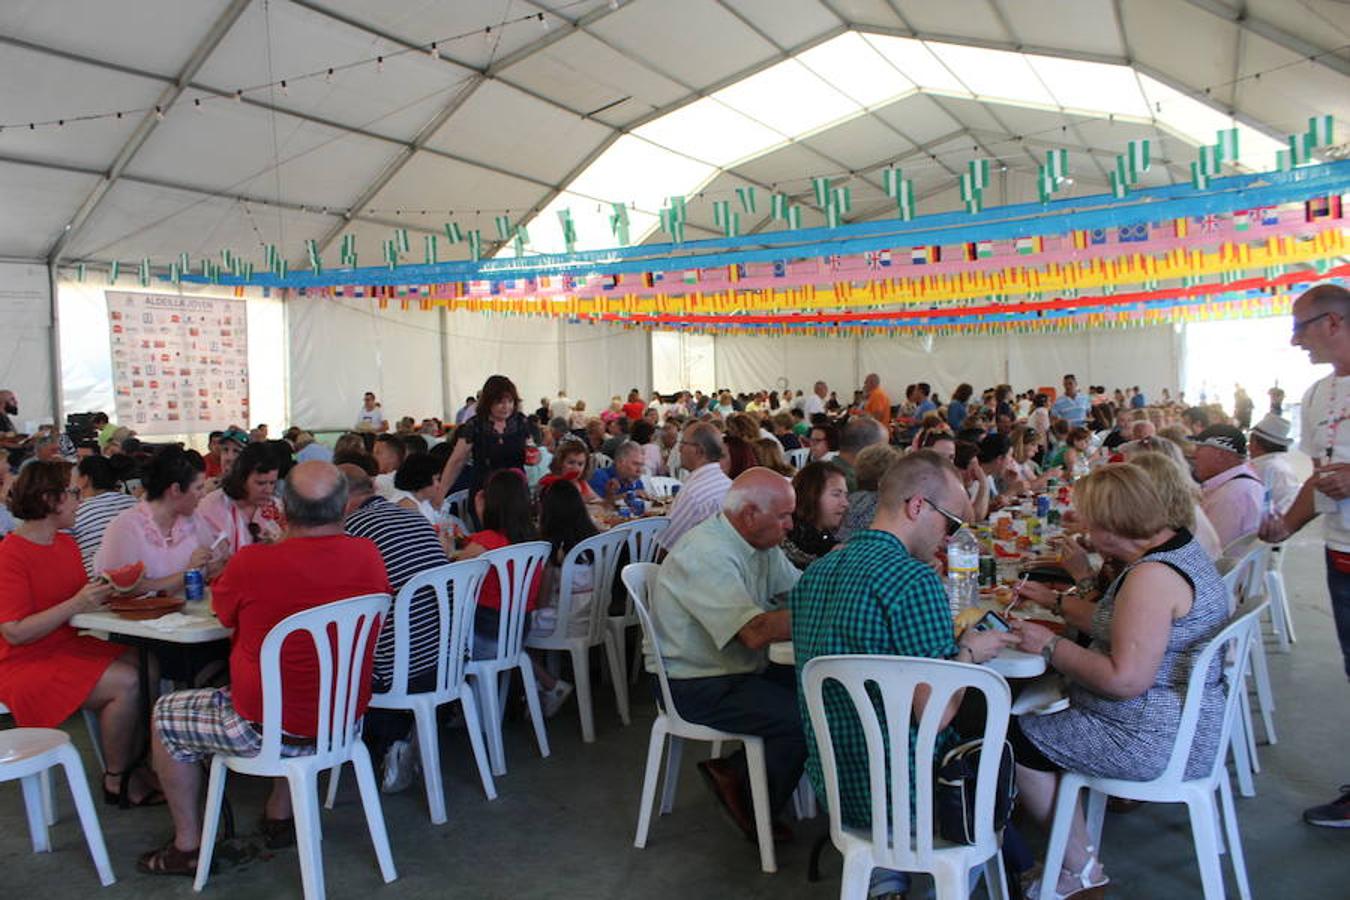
[(963, 570)]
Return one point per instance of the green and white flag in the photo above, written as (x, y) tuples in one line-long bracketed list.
[(890, 182), (842, 198), (175, 273), (1300, 148), (79, 272), (672, 224), (778, 206), (144, 272), (677, 206), (979, 173), (969, 189), (1057, 164), (503, 227), (822, 188), (904, 199), (270, 256), (1121, 172), (1226, 143), (429, 255), (453, 233), (618, 223), (312, 251), (347, 254), (794, 217), (475, 244), (833, 217), (1046, 183), (401, 239), (1211, 160), (283, 268), (391, 253), (974, 204), (732, 226), (1118, 186), (1199, 177), (184, 264), (1139, 158), (721, 213), (1321, 130), (747, 197), (520, 239), (569, 229)]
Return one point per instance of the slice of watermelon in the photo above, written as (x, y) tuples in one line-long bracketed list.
[(125, 578)]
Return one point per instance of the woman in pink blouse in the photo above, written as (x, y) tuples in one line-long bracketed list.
[(161, 531), (243, 510)]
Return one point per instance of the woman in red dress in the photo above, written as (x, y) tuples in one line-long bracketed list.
[(48, 671)]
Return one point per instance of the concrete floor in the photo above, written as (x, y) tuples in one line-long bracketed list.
[(562, 827)]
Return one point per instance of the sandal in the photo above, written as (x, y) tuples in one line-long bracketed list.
[(1081, 884), (122, 796), (277, 834), (168, 860)]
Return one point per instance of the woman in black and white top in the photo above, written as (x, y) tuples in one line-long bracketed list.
[(102, 497)]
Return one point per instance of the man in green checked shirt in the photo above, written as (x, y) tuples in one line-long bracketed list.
[(880, 595)]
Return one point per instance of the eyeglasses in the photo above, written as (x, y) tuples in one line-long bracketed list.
[(954, 522), (1300, 326)]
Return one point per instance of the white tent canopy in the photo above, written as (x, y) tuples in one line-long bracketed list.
[(161, 128)]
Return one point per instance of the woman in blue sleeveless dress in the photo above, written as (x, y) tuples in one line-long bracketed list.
[(1127, 688)]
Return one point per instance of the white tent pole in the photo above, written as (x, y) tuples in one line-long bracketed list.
[(58, 402)]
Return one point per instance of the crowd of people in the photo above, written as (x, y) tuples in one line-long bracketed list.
[(798, 517)]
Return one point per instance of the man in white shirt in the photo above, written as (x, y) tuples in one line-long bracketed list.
[(560, 407), (1267, 443), (814, 403), (705, 486), (370, 417), (1322, 327)]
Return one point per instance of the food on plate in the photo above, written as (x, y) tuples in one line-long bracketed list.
[(124, 579), (968, 617), (1001, 594)]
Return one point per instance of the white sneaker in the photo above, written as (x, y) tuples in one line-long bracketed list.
[(553, 700), (400, 767)]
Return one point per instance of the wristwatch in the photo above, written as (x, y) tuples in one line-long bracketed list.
[(1085, 585), (1049, 649)]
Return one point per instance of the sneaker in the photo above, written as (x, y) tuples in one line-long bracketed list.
[(553, 700), (400, 767), (1335, 814)]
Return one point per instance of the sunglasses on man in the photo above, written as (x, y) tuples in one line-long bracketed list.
[(954, 522)]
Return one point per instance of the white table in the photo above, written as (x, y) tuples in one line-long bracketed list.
[(202, 627), (1009, 663)]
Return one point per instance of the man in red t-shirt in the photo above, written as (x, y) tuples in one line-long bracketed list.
[(634, 408), (315, 563)]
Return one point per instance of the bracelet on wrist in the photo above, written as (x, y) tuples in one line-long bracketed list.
[(1085, 585), (1059, 603)]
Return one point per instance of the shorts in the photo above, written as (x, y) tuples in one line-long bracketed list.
[(196, 725)]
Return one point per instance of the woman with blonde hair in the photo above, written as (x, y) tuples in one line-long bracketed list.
[(871, 463), (770, 455), (1178, 491)]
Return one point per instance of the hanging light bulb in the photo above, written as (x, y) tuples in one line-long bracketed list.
[(543, 23), (487, 34), (329, 77), (434, 52), (197, 103), (239, 96), (159, 114), (285, 92), (379, 64)]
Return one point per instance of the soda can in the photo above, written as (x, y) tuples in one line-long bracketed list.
[(1042, 505), (194, 585)]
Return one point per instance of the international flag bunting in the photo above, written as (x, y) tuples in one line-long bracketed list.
[(1226, 143), (1138, 159), (921, 256), (747, 197), (569, 229), (1026, 246), (429, 249), (890, 182), (1321, 131), (1180, 227), (821, 186), (618, 223), (778, 206), (475, 244), (312, 251), (1322, 208), (453, 233), (1199, 177)]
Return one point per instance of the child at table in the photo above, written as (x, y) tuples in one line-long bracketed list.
[(503, 506), (564, 522)]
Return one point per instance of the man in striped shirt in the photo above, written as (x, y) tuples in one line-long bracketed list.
[(705, 487), (408, 545)]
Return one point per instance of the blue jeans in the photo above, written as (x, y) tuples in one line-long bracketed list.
[(1338, 584), (764, 705)]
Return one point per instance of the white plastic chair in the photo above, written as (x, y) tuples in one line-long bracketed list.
[(455, 587), (456, 504), (659, 486), (95, 730), (638, 578), (896, 840), (798, 458), (341, 634), (601, 461), (1246, 583), (1281, 616), (1172, 786), (28, 755), (517, 567), (642, 547), (601, 553)]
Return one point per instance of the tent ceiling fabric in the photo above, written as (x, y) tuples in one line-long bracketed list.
[(529, 118)]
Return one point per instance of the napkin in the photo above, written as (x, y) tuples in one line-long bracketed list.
[(171, 622)]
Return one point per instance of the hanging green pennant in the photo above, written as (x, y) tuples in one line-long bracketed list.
[(979, 173), (794, 217), (1211, 160), (904, 199), (747, 197), (347, 254), (822, 188), (401, 239), (503, 224), (391, 254), (721, 212), (143, 272), (842, 197), (312, 251), (1057, 164), (1321, 131), (1199, 177), (453, 234), (778, 206), (519, 239), (1300, 148), (618, 223), (475, 244), (184, 264), (1139, 159), (429, 254), (677, 206), (1226, 144), (79, 272), (1118, 185), (890, 182), (569, 229)]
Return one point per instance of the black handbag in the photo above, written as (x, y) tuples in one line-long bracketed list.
[(955, 791)]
